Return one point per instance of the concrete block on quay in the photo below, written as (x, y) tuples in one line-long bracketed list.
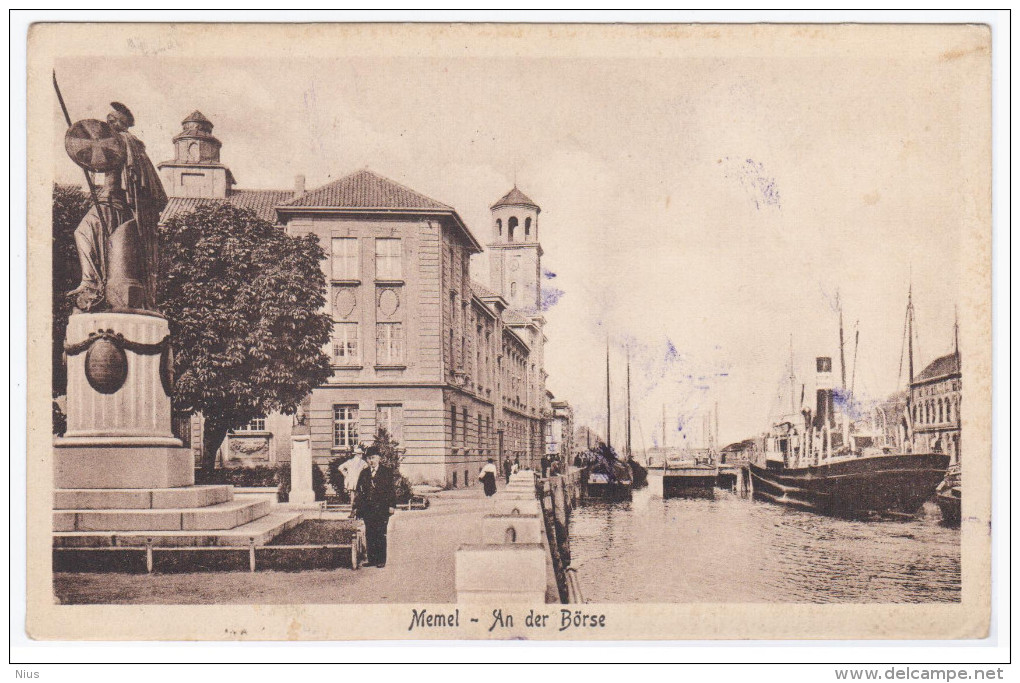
[(510, 572), (513, 529), (515, 505)]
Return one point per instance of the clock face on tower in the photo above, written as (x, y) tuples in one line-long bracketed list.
[(515, 263)]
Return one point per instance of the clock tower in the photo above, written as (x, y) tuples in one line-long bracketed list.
[(515, 256)]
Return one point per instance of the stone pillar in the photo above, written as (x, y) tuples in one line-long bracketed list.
[(301, 491)]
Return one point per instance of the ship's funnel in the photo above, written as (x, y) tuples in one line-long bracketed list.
[(823, 393)]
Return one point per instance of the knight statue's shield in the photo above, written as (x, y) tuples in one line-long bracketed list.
[(95, 146)]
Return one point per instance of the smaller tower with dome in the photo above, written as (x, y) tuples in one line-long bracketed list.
[(195, 170), (515, 255)]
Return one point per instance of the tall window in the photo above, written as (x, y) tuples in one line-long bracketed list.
[(511, 225), (389, 343), (463, 436), (345, 258), (345, 344), (499, 226), (387, 258), (345, 426), (390, 417), (453, 425), (527, 227)]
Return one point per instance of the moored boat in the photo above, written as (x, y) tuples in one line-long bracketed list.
[(947, 496), (854, 485)]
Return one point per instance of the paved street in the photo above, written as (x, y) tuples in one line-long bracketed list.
[(420, 568)]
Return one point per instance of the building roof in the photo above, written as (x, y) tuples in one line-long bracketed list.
[(198, 117), (483, 291), (367, 190), (940, 367), (262, 202), (515, 198)]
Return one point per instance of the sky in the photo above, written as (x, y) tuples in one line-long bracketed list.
[(699, 212)]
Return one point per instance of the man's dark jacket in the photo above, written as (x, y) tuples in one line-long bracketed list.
[(375, 495)]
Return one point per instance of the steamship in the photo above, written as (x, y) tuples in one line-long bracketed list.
[(816, 460)]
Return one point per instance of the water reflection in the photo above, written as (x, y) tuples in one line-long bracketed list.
[(729, 548)]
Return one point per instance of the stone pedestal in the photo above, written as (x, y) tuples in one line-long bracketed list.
[(118, 406), (121, 478), (301, 492), (116, 392)]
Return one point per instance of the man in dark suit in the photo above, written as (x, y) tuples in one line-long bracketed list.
[(375, 502)]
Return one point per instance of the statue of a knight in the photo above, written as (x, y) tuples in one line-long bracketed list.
[(117, 241)]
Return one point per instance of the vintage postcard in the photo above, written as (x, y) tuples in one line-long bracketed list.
[(546, 332)]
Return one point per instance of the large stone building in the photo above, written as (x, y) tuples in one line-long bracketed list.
[(452, 368), (935, 406)]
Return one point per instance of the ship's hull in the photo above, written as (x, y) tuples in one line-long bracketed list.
[(948, 500), (682, 480), (603, 487), (882, 484)]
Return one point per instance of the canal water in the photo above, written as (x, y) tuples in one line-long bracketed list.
[(732, 548)]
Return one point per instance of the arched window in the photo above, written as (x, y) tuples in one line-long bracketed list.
[(499, 226), (941, 411), (949, 410), (527, 227), (454, 480), (510, 225), (513, 290)]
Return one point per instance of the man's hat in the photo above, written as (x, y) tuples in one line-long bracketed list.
[(125, 111)]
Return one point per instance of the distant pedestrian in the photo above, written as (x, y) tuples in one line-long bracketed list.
[(488, 478), (545, 465), (375, 502), (507, 468)]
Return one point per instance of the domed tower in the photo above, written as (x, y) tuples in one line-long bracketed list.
[(515, 255), (195, 170)]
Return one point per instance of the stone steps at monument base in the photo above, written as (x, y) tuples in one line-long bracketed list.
[(141, 499), (260, 531), (220, 516)]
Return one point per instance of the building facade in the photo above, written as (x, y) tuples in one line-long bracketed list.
[(935, 407), (453, 369)]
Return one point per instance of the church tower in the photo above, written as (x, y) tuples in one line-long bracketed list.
[(515, 256), (195, 170)]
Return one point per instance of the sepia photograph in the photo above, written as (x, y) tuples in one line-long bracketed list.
[(476, 331)]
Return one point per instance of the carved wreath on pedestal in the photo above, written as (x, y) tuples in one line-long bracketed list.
[(106, 363)]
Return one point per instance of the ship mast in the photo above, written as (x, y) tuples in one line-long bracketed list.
[(956, 331), (842, 359), (628, 404), (609, 409), (664, 427), (910, 338), (793, 381)]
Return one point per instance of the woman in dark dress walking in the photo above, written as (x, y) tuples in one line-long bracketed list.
[(488, 478)]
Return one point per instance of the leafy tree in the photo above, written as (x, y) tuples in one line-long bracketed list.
[(70, 204), (243, 301)]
